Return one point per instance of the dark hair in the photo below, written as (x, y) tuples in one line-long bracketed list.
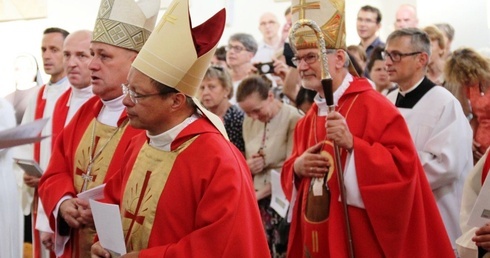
[(304, 95), (164, 90), (56, 30), (375, 55), (372, 9), (354, 62), (255, 83), (220, 53), (288, 11)]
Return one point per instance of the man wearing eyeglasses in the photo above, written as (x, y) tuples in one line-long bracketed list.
[(89, 149), (185, 190), (386, 202), (439, 128)]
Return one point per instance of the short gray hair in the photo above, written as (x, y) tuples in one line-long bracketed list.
[(347, 58), (419, 39), (247, 41)]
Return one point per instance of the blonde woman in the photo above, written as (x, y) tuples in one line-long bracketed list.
[(468, 77)]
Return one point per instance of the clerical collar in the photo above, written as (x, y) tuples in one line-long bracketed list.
[(320, 102), (59, 86), (114, 104), (410, 97), (84, 93), (411, 88), (87, 91), (60, 82), (111, 111), (164, 140)]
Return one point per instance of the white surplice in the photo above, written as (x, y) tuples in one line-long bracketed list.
[(443, 139), (11, 220)]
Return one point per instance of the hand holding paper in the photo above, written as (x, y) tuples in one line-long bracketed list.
[(108, 223)]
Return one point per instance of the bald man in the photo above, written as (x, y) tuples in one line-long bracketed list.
[(406, 17), (269, 27)]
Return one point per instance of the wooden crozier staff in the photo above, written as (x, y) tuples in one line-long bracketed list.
[(328, 94)]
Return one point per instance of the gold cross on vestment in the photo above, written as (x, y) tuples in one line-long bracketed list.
[(168, 17), (302, 6), (86, 176), (134, 217)]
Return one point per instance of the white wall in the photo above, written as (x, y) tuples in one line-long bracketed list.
[(470, 20)]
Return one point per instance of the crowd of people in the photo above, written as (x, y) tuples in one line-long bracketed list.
[(380, 149)]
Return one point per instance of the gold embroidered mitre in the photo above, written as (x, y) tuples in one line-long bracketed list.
[(125, 23), (329, 15), (178, 55)]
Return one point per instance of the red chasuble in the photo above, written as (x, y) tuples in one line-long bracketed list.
[(63, 173), (61, 109), (400, 218), (195, 201)]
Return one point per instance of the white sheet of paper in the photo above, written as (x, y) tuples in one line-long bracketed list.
[(108, 224), (95, 193), (278, 200), (23, 134), (480, 214)]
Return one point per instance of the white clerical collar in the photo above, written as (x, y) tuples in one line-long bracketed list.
[(111, 111), (60, 82), (58, 86), (114, 104), (164, 140), (411, 88), (84, 93), (320, 102)]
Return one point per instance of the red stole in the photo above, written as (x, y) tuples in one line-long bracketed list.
[(59, 115), (486, 167), (316, 234), (40, 105), (315, 226)]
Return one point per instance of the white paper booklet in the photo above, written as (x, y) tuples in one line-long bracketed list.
[(107, 220), (480, 214)]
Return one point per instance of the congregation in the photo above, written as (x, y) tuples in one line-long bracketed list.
[(292, 145)]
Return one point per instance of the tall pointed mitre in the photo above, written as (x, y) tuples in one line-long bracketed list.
[(329, 15), (125, 23), (178, 55)]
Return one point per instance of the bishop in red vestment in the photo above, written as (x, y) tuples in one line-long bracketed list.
[(185, 190), (90, 147), (390, 206), (195, 200)]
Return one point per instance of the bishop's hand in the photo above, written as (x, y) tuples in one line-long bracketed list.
[(311, 163), (85, 213), (338, 131), (69, 212)]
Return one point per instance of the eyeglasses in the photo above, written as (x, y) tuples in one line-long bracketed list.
[(236, 49), (309, 59), (397, 56), (133, 96)]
